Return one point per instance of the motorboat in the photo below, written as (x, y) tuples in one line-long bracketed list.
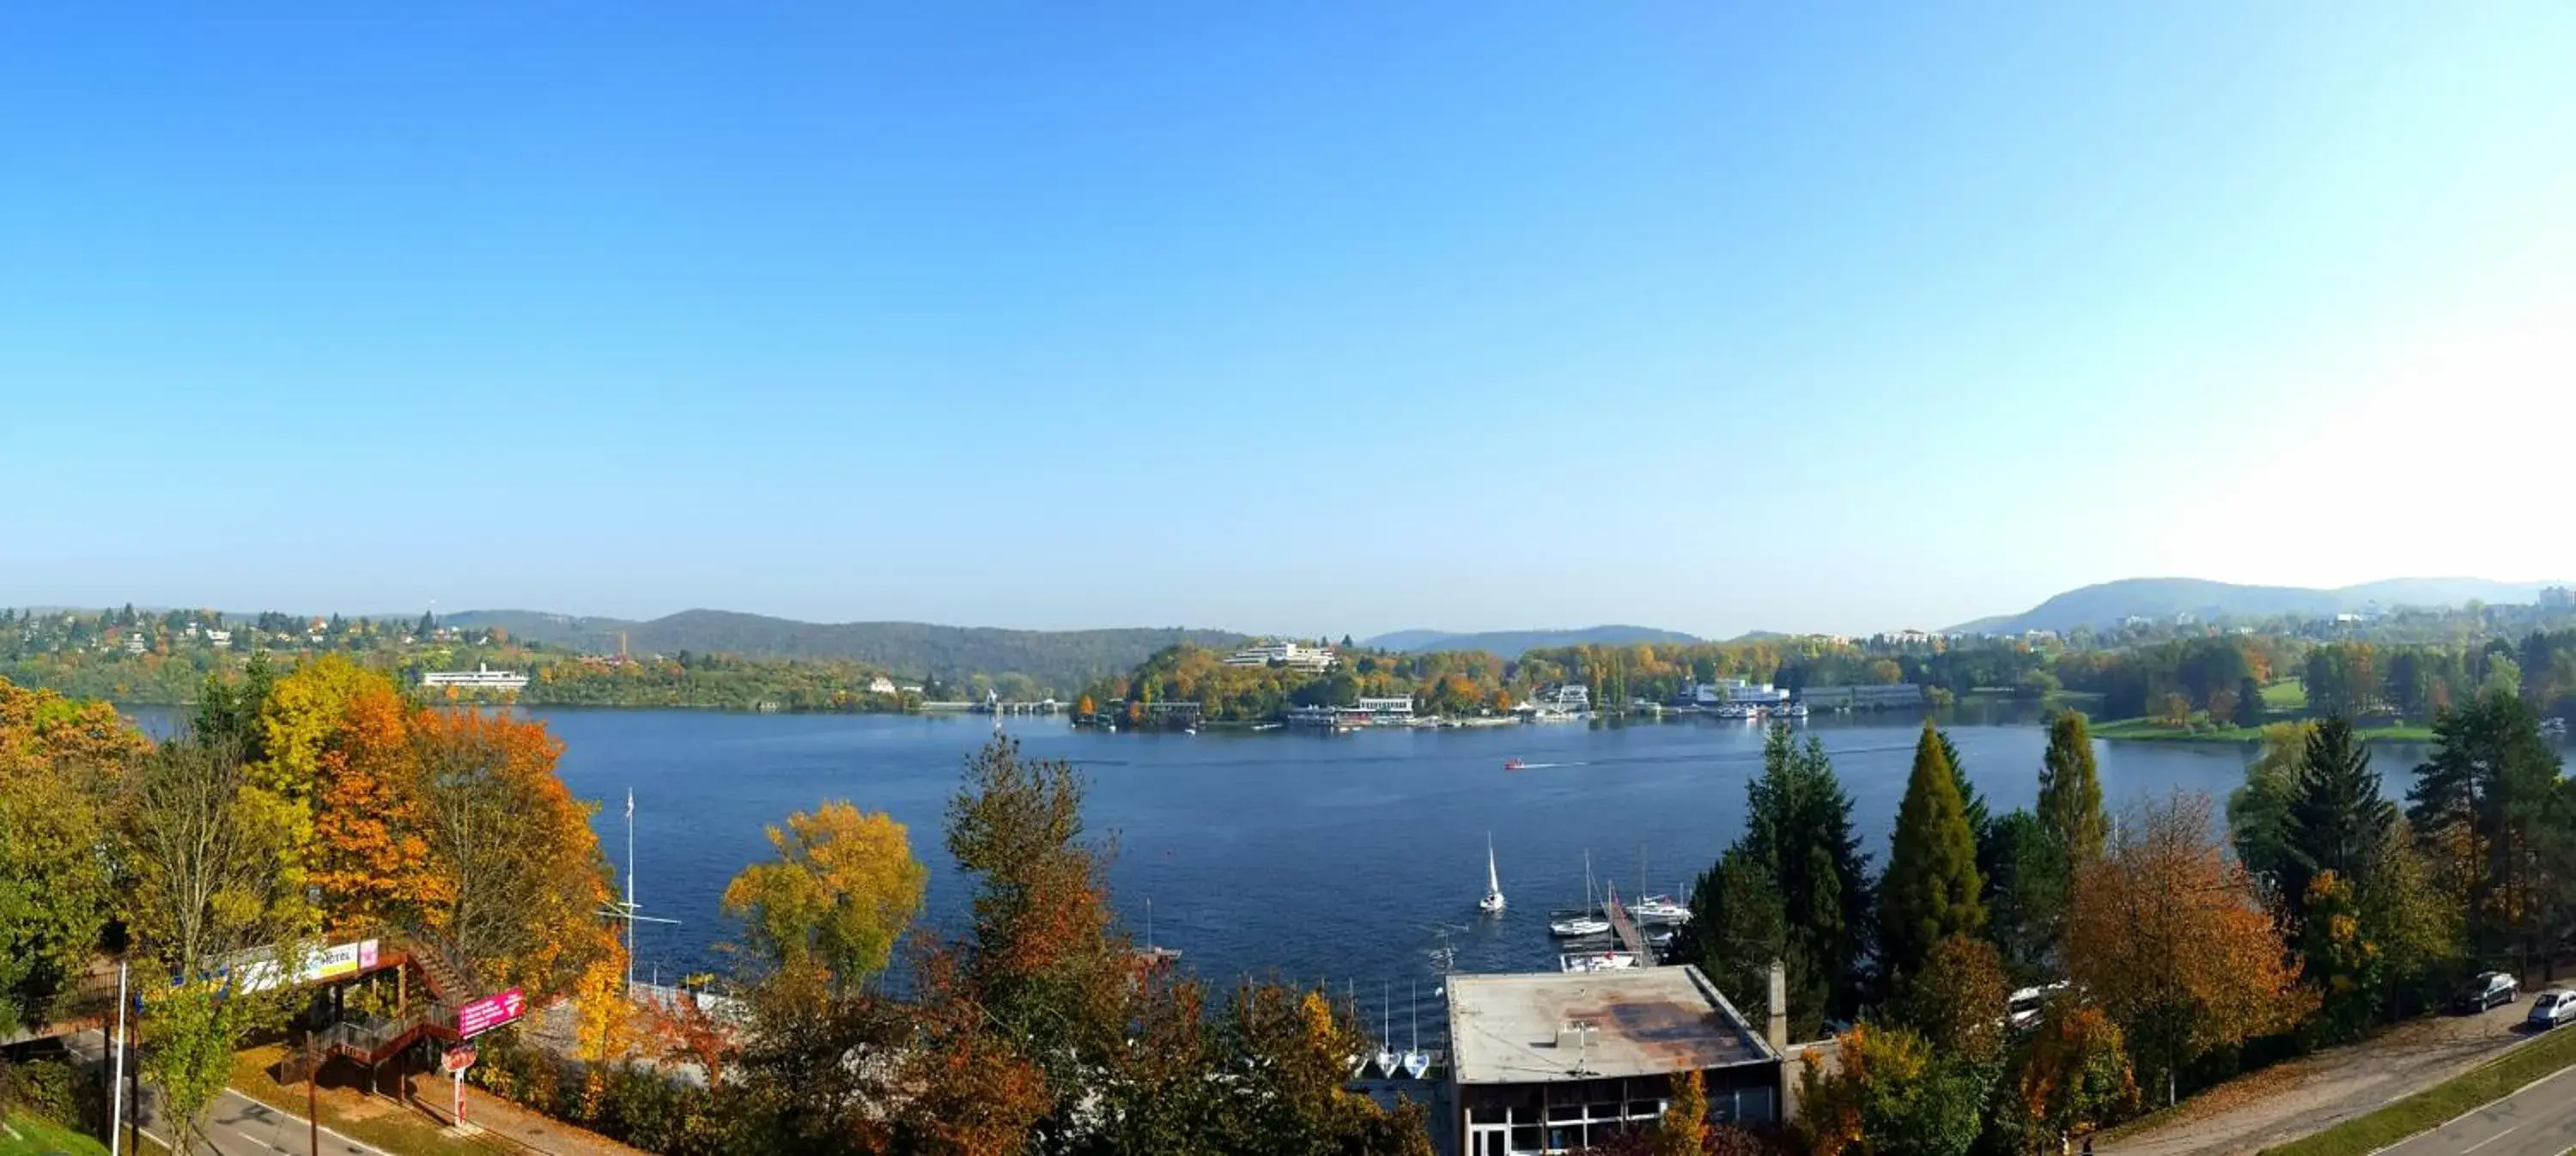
[(1589, 961), (1512, 764), (1492, 903), (1577, 925), (1659, 909)]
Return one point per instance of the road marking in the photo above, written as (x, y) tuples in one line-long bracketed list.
[(2487, 1141)]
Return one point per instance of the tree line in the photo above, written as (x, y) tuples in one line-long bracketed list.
[(2165, 951), (297, 809)]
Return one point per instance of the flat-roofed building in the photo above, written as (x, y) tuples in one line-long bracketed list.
[(1550, 1062), (1894, 696)]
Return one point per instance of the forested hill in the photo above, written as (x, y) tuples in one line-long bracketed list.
[(1059, 661), (1514, 643), (2109, 603)]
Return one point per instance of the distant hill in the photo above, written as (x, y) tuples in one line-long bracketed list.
[(1514, 643), (2110, 603), (1058, 660)]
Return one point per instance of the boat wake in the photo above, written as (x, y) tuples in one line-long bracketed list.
[(1546, 766)]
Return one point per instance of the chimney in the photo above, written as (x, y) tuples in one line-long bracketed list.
[(1777, 1031)]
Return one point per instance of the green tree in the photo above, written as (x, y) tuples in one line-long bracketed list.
[(55, 890), (2071, 1077), (843, 888), (190, 1033), (1890, 1095), (2491, 809), (2249, 703), (2070, 789), (1932, 890), (2027, 877), (2258, 812), (1739, 926), (1798, 826), (2338, 821)]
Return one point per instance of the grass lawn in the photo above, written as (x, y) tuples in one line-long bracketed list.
[(2154, 730), (2288, 694), (42, 1138), (373, 1120), (2440, 1102)]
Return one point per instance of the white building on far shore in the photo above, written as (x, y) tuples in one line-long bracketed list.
[(480, 678), (1287, 654)]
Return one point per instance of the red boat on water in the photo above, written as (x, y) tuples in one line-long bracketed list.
[(1511, 764)]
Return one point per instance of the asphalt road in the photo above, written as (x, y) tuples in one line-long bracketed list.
[(236, 1125), (2537, 1121)]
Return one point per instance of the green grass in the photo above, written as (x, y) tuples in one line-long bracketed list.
[(2152, 730), (2432, 1106), (2288, 694), (41, 1138)]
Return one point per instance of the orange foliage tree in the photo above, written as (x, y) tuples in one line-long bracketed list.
[(2169, 936), (525, 878), (371, 852)]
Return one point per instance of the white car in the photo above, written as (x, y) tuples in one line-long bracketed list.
[(2552, 1008)]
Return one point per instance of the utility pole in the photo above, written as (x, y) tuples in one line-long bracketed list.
[(116, 1067), (312, 1096)]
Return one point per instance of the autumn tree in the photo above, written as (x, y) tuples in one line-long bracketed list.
[(205, 841), (371, 848), (1889, 1095), (1044, 963), (841, 891), (523, 878), (1958, 1000), (2070, 789), (1932, 890), (2171, 940), (2071, 1077), (59, 765)]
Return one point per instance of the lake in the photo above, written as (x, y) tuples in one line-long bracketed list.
[(1347, 858)]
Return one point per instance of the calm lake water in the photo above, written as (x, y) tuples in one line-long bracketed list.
[(1349, 858)]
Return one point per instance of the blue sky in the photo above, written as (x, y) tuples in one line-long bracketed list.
[(1320, 318)]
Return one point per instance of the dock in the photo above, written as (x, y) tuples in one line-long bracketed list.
[(1624, 926)]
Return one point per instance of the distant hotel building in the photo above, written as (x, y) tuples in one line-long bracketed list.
[(480, 678), (1901, 696), (1737, 692), (1287, 654)]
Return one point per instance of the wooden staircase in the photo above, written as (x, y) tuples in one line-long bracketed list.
[(451, 985)]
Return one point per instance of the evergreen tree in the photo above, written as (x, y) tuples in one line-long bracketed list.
[(1932, 890), (2249, 702), (2026, 886), (2491, 809), (1971, 803), (1738, 926), (2337, 821), (1798, 828), (2070, 790)]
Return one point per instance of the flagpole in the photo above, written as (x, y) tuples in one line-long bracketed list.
[(629, 993)]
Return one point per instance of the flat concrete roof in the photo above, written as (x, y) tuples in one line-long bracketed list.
[(1507, 1029)]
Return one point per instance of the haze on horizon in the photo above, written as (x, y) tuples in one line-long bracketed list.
[(1316, 320)]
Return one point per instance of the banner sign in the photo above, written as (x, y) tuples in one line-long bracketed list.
[(490, 1012), (259, 970)]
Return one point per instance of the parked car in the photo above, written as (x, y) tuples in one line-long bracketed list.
[(2488, 990), (2552, 1008)]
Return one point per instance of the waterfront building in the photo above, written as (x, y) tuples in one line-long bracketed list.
[(1558, 1062), (1571, 698), (1899, 696), (881, 685), (1393, 709), (1738, 692), (1288, 654), (482, 677)]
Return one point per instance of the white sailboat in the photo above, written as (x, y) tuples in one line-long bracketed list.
[(1415, 1062), (1386, 1057), (1492, 903)]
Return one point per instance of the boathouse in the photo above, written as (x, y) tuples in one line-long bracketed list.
[(1549, 1063)]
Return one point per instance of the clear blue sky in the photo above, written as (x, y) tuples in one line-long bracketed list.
[(1320, 318)]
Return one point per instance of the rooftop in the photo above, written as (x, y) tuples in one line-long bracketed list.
[(1511, 1029)]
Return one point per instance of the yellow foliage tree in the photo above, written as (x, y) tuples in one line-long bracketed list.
[(842, 890)]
